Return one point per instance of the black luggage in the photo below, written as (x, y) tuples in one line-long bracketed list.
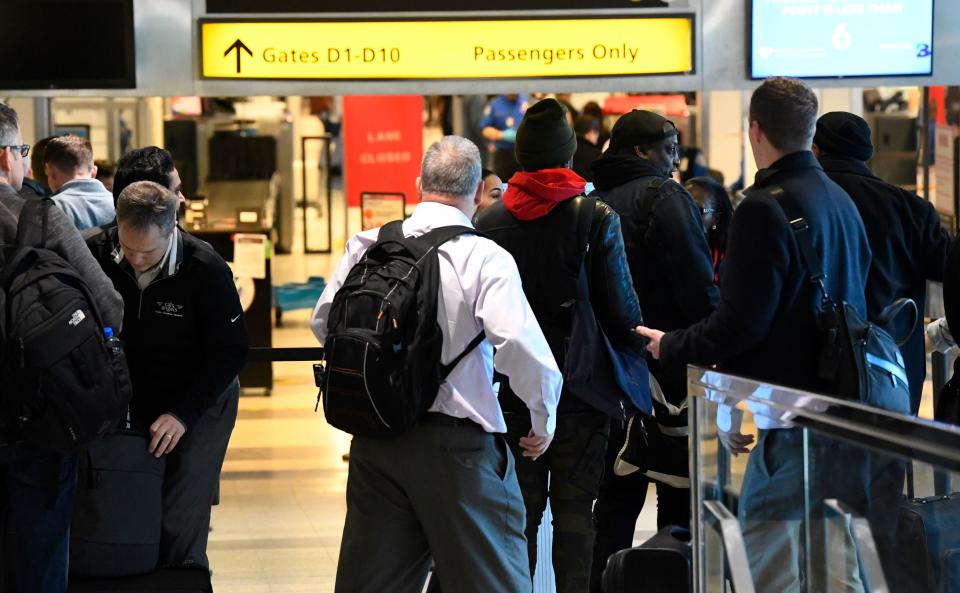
[(165, 580), (950, 572), (928, 533), (117, 514), (662, 564)]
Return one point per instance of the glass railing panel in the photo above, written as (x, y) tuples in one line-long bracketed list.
[(831, 497)]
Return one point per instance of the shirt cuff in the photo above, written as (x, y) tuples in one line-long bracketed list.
[(544, 424)]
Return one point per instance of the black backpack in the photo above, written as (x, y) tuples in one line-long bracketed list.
[(859, 361), (64, 382), (381, 366)]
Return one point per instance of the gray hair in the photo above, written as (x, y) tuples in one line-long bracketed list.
[(451, 167), (9, 125), (143, 203)]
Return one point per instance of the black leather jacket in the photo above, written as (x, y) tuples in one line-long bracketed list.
[(547, 251)]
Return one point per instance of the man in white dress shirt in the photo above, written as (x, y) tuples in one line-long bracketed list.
[(447, 489)]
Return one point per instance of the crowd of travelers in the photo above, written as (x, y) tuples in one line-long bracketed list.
[(671, 275), (542, 289), (173, 302)]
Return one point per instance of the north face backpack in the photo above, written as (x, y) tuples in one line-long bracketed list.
[(381, 368), (859, 361), (65, 377)]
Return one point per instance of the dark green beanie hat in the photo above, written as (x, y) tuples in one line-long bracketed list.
[(545, 138)]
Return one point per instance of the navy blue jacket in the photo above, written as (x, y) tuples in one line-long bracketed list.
[(909, 247), (765, 326)]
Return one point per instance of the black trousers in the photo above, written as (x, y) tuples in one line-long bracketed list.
[(568, 474), (618, 506)]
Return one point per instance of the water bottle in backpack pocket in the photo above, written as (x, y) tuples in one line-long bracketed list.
[(65, 376)]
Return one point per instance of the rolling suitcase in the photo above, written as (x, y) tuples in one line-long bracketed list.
[(928, 533), (165, 580), (117, 514), (662, 564), (950, 572)]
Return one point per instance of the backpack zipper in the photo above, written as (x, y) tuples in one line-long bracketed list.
[(366, 351)]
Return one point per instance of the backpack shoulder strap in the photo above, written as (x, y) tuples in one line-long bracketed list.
[(585, 208), (802, 233), (446, 369), (392, 231), (435, 238), (440, 235), (29, 233), (651, 197)]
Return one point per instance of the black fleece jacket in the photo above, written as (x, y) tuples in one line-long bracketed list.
[(185, 334), (670, 261)]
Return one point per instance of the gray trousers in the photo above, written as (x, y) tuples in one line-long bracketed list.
[(441, 491), (776, 490), (192, 480)]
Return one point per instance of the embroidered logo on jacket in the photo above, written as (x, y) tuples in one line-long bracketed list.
[(169, 309), (77, 318)]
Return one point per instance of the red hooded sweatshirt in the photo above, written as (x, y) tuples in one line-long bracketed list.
[(534, 195)]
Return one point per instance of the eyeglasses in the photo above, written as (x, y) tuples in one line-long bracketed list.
[(23, 148)]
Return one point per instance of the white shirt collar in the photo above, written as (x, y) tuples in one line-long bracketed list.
[(430, 215)]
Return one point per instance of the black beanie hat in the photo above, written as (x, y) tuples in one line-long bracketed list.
[(544, 137), (844, 134), (639, 128)]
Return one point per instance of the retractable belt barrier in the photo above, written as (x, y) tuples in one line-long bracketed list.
[(261, 354)]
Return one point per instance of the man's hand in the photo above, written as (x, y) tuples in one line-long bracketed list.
[(654, 335), (534, 446), (735, 442), (165, 433)]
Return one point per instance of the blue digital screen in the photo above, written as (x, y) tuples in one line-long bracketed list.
[(835, 38)]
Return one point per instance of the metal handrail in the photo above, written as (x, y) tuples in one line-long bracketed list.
[(910, 437), (866, 545), (720, 518)]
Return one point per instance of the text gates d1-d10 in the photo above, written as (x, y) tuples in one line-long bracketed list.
[(446, 48)]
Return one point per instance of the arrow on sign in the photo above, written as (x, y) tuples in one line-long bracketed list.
[(238, 45)]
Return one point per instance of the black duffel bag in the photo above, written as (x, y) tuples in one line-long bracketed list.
[(118, 513)]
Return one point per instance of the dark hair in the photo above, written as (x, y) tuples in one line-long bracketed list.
[(717, 237), (484, 173), (69, 153), (38, 158), (105, 168), (145, 203), (786, 110), (584, 124), (143, 164), (593, 109)]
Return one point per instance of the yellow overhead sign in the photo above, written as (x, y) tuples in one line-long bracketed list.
[(396, 50)]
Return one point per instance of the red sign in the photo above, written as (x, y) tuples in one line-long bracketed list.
[(383, 146)]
